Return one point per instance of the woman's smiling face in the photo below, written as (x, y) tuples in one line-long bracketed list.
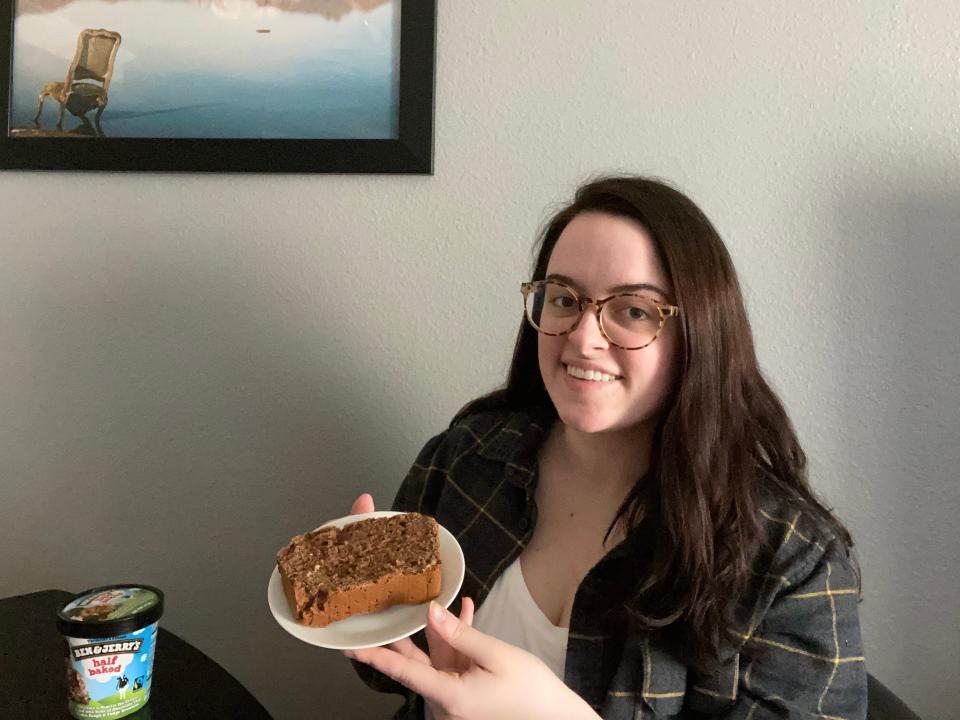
[(599, 255)]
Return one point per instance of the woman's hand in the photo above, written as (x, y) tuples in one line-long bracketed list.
[(442, 656), (498, 682)]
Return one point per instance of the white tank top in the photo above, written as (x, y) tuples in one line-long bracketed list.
[(510, 613)]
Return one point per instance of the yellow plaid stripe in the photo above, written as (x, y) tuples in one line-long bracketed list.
[(791, 528), (836, 640), (631, 693), (798, 651), (824, 593)]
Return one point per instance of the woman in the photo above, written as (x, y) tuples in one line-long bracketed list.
[(640, 537)]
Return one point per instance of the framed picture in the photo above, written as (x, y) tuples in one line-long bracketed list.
[(321, 86)]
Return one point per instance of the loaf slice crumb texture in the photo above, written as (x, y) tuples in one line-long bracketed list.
[(331, 574)]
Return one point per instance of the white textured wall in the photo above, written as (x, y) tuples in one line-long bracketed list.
[(193, 368)]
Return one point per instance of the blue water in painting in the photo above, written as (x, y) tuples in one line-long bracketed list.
[(201, 69)]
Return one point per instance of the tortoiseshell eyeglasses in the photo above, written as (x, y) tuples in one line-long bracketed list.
[(627, 320)]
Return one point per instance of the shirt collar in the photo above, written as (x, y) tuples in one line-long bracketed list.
[(517, 443)]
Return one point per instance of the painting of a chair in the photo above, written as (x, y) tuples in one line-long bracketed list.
[(93, 61)]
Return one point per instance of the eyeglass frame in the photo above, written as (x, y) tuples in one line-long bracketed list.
[(666, 310)]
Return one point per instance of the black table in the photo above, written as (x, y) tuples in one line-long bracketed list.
[(187, 684)]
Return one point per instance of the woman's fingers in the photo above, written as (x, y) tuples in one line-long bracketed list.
[(442, 655), (409, 649), (436, 687), (466, 611), (362, 504), (463, 663), (485, 650), (405, 647)]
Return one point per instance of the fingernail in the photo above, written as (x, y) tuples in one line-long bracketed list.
[(350, 654), (439, 614)]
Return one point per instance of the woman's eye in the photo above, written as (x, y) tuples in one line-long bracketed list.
[(563, 301), (637, 313)]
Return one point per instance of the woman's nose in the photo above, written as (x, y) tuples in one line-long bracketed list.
[(587, 334)]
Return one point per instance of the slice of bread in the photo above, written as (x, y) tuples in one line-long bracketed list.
[(331, 574)]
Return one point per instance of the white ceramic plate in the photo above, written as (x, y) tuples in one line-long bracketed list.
[(372, 629)]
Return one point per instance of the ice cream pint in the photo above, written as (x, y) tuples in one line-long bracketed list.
[(111, 635)]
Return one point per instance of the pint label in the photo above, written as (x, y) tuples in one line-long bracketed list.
[(110, 677)]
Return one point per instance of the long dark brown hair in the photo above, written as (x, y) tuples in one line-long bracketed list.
[(722, 433)]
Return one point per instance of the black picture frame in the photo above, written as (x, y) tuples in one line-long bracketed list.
[(411, 152)]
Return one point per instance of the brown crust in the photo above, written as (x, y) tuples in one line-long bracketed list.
[(390, 590)]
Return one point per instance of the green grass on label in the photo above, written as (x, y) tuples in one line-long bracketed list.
[(115, 699), (139, 698)]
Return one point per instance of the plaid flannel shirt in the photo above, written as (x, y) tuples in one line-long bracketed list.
[(797, 651)]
